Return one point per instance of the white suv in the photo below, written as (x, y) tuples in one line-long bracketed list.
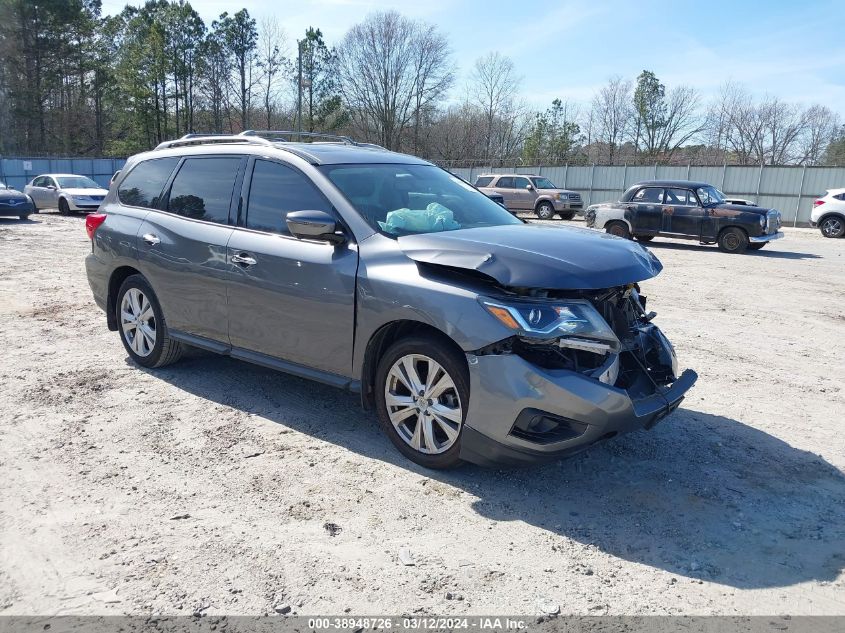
[(829, 213)]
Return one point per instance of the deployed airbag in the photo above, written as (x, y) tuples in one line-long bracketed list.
[(435, 217)]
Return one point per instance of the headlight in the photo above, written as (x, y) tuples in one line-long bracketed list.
[(762, 221), (573, 318)]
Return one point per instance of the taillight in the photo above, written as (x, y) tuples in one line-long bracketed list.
[(92, 223), (818, 202)]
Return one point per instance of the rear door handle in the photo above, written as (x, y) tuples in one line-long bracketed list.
[(244, 260), (151, 239)]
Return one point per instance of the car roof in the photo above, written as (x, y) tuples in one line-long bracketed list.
[(61, 175), (509, 174), (688, 184), (333, 152)]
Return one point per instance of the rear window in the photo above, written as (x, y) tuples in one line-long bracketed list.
[(483, 181), (202, 190), (144, 184)]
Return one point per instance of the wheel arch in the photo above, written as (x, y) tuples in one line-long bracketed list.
[(116, 279), (382, 339), (543, 199), (838, 214)]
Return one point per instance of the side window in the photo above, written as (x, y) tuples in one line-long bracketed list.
[(483, 181), (520, 183), (681, 198), (648, 195), (505, 182), (38, 182), (143, 186), (274, 191), (202, 190)]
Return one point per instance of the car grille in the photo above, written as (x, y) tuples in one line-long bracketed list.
[(773, 222), (575, 196), (12, 202), (590, 217)]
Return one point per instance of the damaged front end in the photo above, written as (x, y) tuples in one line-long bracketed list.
[(607, 335), (586, 366)]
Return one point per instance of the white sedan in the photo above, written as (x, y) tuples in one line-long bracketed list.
[(65, 192)]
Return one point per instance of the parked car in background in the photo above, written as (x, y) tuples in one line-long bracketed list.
[(740, 201), (829, 213), (65, 192), (475, 336), (524, 192), (13, 202), (689, 210)]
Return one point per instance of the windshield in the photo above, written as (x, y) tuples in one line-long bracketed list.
[(77, 182), (710, 195), (543, 183), (407, 199)]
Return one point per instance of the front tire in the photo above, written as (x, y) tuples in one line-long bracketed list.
[(143, 329), (566, 215), (64, 207), (619, 229), (756, 246), (545, 211), (733, 240), (643, 238), (832, 226), (24, 216), (422, 395)]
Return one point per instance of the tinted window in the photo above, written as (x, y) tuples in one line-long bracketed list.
[(142, 187), (649, 195), (275, 190), (520, 183), (202, 190), (680, 198), (483, 181), (543, 183), (506, 182)]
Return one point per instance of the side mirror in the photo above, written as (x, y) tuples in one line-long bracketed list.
[(530, 187), (314, 225)]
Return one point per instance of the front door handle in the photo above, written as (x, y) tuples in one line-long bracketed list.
[(244, 260), (151, 239)]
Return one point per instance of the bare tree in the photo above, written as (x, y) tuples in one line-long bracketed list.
[(271, 47), (384, 73), (493, 86), (432, 73), (821, 126), (612, 116)]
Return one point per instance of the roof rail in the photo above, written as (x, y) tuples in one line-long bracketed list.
[(278, 134), (209, 139)]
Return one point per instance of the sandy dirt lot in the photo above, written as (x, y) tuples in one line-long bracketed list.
[(214, 486)]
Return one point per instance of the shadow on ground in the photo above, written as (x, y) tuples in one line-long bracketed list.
[(769, 250), (702, 496)]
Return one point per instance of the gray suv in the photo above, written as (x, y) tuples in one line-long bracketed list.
[(474, 335)]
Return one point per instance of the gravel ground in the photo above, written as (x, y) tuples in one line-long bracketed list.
[(214, 486)]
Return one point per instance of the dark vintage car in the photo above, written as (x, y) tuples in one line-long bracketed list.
[(688, 210), (13, 202)]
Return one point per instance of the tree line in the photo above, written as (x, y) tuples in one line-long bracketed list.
[(76, 82)]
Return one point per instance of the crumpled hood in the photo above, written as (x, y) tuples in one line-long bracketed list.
[(537, 256), (85, 192)]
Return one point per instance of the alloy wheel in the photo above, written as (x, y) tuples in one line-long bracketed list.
[(831, 227), (423, 404), (138, 323)]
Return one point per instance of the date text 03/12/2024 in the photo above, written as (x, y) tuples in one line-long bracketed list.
[(480, 623)]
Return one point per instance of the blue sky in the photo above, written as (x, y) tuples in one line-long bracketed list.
[(569, 48)]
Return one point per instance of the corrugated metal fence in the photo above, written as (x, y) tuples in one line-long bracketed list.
[(18, 171), (791, 190), (788, 189)]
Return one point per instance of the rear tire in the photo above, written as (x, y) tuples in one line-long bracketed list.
[(545, 211), (143, 330), (566, 215), (832, 226), (733, 240), (643, 238), (756, 246), (427, 382), (618, 228), (64, 207)]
